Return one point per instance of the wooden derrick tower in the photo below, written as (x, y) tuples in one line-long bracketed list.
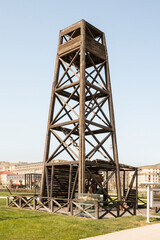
[(81, 124)]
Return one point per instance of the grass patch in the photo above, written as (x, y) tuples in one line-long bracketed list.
[(16, 193), (27, 224)]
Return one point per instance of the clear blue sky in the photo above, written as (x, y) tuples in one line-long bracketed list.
[(28, 44)]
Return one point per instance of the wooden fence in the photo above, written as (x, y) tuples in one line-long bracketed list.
[(91, 209)]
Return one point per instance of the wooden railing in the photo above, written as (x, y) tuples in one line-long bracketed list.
[(92, 209)]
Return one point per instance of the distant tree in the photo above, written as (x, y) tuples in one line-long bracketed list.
[(114, 185), (20, 182), (11, 182)]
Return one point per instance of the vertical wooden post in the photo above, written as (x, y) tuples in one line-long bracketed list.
[(52, 179), (34, 202), (106, 188), (47, 183), (20, 201), (25, 180), (7, 201), (69, 182), (96, 210), (136, 187), (112, 120), (134, 208), (124, 181), (69, 185), (71, 206), (118, 208), (51, 110), (51, 204), (81, 185), (31, 180)]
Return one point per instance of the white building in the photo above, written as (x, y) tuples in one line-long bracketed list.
[(28, 168), (150, 173), (4, 177)]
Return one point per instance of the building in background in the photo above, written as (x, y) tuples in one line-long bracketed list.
[(4, 177), (20, 174), (29, 174), (150, 173), (27, 168)]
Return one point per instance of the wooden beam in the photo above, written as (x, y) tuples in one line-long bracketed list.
[(107, 154), (68, 67), (63, 123), (52, 181), (67, 86), (62, 142), (81, 184), (75, 183), (105, 91), (65, 103), (70, 182), (57, 115), (51, 110), (111, 110), (94, 150)]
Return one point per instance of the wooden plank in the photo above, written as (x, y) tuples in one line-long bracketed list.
[(69, 46), (95, 48)]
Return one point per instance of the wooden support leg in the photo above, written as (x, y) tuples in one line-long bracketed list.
[(124, 180), (96, 210)]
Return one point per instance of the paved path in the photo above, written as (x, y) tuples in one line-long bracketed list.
[(149, 232)]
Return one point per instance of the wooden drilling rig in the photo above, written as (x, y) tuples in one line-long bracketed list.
[(81, 125)]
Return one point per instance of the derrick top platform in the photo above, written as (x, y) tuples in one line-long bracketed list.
[(69, 30), (71, 41)]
